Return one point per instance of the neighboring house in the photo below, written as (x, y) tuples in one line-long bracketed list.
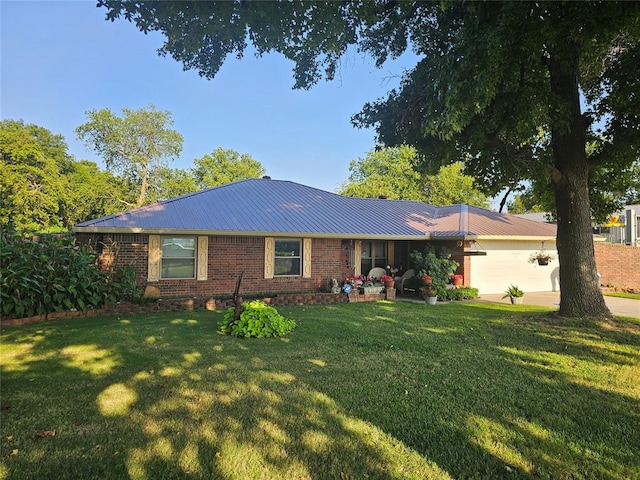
[(287, 237), (621, 227)]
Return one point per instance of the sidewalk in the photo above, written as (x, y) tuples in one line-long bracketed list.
[(623, 307)]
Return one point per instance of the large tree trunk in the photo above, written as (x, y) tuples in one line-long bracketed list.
[(580, 294)]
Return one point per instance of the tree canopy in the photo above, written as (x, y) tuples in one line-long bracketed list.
[(389, 172), (225, 166), (499, 86), (135, 145), (451, 186), (392, 172), (43, 188)]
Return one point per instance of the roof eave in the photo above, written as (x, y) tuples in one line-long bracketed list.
[(245, 233), (517, 237)]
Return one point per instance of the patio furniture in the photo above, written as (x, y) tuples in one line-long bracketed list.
[(401, 280), (377, 272)]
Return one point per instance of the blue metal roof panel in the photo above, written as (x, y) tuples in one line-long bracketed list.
[(260, 205)]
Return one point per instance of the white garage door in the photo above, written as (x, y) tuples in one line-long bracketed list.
[(507, 262)]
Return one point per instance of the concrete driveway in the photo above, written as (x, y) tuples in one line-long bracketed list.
[(623, 307)]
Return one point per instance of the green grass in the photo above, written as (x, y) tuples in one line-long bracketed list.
[(358, 391), (633, 296)]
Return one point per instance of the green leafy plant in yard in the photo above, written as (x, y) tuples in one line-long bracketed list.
[(435, 262), (39, 275), (460, 293), (257, 320), (513, 291)]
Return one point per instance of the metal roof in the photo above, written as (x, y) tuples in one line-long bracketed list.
[(281, 208)]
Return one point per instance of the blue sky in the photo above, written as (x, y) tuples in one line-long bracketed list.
[(60, 59)]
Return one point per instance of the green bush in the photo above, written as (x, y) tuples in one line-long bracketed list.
[(53, 273), (461, 293), (257, 320), (435, 262)]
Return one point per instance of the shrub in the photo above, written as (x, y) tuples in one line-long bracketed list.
[(257, 320), (462, 293), (435, 262), (53, 273)]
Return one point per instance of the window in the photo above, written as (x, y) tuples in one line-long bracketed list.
[(287, 258), (373, 254), (178, 258)]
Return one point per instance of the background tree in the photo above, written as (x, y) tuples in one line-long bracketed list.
[(30, 181), (392, 172), (450, 186), (389, 172), (526, 202), (134, 146), (43, 188), (91, 193), (499, 82), (225, 166), (172, 182)]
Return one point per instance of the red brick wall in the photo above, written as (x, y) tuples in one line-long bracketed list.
[(228, 257), (618, 265)]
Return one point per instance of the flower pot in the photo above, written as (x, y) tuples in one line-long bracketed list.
[(432, 300), (517, 300), (372, 290), (389, 284), (543, 260), (457, 281)]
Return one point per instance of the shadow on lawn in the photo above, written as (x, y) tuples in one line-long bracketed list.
[(164, 401), (382, 390)]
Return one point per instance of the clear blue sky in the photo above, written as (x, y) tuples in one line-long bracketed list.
[(60, 59)]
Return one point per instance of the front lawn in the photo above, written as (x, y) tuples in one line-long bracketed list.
[(358, 391)]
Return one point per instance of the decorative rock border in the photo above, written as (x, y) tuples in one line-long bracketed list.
[(190, 304)]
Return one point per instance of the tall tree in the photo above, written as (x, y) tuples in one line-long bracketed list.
[(225, 166), (173, 182), (135, 145), (392, 172), (389, 172), (91, 193), (498, 81), (450, 186), (43, 188), (30, 181)]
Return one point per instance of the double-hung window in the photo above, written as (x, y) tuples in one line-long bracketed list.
[(287, 258), (178, 259)]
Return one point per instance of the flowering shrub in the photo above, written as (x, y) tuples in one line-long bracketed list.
[(427, 278), (457, 277)]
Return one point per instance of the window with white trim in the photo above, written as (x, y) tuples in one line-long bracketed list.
[(178, 259), (287, 258)]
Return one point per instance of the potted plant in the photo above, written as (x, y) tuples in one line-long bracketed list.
[(457, 279), (515, 294), (541, 257), (387, 280), (430, 294)]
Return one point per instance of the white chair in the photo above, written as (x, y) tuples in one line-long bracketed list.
[(377, 272), (405, 276)]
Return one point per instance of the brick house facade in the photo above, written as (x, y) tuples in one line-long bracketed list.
[(228, 256)]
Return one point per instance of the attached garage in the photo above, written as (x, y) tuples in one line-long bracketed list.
[(507, 262)]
